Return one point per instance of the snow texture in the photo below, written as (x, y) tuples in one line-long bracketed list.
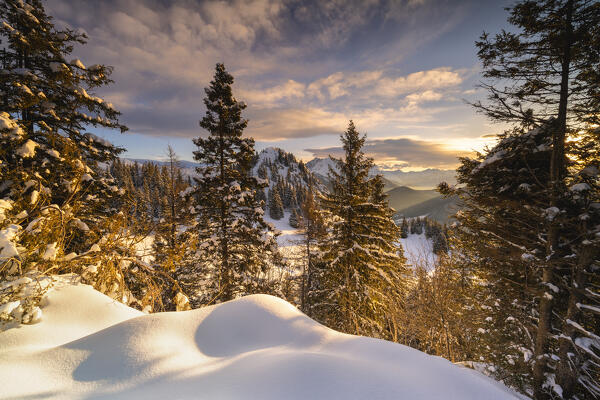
[(418, 251), (257, 347), (27, 149)]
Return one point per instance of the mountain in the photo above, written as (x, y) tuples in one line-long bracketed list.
[(438, 208), (288, 179), (284, 174), (320, 168), (402, 197), (426, 179)]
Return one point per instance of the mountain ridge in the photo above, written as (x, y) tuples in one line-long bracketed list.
[(419, 180)]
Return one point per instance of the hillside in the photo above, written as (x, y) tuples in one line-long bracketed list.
[(256, 347), (402, 197), (289, 182), (438, 208)]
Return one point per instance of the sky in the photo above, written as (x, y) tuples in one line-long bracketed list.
[(402, 70)]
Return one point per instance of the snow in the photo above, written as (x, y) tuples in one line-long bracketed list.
[(5, 206), (490, 159), (53, 153), (98, 139), (8, 248), (580, 187), (551, 213), (320, 166), (418, 251), (27, 149), (57, 66), (289, 236), (8, 124), (77, 62), (50, 252), (82, 226), (7, 308), (256, 347)]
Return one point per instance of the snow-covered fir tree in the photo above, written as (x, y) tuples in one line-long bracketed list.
[(313, 230), (236, 246), (294, 219), (501, 210), (362, 266), (275, 204), (59, 207), (539, 75)]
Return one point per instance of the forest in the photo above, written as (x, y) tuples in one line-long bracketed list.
[(514, 292)]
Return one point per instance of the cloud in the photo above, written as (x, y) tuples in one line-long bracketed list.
[(423, 97), (303, 67), (272, 96), (405, 152), (279, 124), (381, 84)]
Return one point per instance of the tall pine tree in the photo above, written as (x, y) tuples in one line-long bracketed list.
[(544, 75), (236, 245), (361, 260)]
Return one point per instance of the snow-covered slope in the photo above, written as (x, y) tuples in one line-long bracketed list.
[(320, 167), (418, 251), (257, 347), (277, 164)]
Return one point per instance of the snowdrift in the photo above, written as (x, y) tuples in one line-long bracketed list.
[(258, 347)]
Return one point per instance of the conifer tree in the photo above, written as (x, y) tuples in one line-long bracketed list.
[(404, 229), (361, 259), (294, 218), (236, 244), (313, 230), (59, 205), (544, 74), (275, 204), (170, 241)]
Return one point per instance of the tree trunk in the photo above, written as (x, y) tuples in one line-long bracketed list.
[(557, 173), (224, 284)]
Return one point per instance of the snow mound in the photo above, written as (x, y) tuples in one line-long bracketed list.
[(256, 347)]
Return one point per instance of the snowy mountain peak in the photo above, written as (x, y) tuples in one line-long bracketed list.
[(320, 166)]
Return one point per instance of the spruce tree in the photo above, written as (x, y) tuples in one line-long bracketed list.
[(545, 73), (275, 204), (361, 259), (59, 204), (236, 244), (294, 218), (313, 230), (404, 229), (171, 237)]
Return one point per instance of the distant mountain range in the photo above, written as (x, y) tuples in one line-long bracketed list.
[(411, 193), (426, 179), (419, 180), (402, 197), (438, 208)]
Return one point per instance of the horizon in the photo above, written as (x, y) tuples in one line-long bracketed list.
[(402, 71)]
